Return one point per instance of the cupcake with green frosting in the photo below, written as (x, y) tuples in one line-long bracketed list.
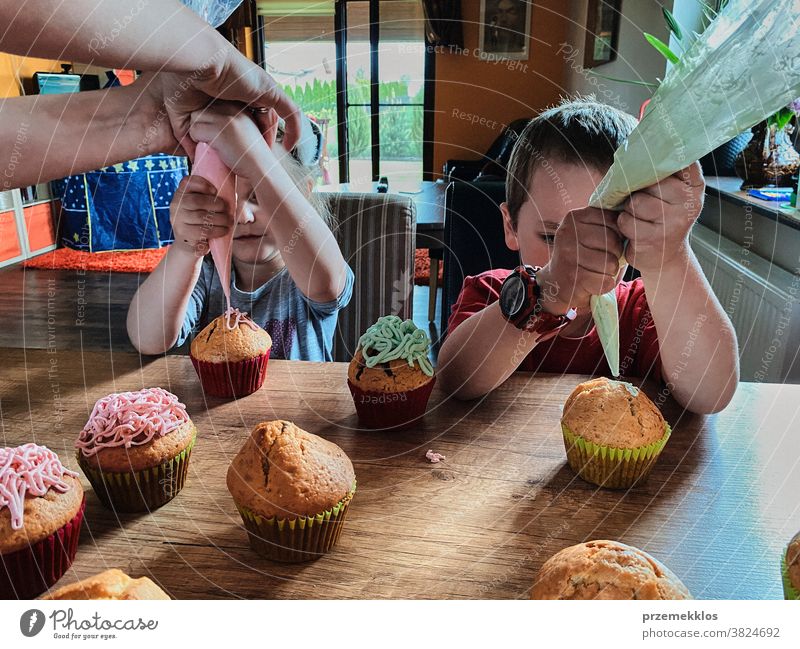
[(391, 376)]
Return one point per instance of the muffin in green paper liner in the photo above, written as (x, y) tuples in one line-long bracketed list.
[(135, 449), (293, 491), (613, 433), (790, 569)]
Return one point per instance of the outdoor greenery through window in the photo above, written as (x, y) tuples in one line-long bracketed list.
[(300, 53)]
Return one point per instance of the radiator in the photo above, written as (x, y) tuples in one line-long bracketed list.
[(761, 300)]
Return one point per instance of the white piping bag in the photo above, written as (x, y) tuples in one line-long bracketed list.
[(743, 68)]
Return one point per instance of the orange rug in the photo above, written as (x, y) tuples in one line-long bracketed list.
[(422, 268), (127, 261)]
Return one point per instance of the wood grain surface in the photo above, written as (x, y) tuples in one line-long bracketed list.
[(718, 508)]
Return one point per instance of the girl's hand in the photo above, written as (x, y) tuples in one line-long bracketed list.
[(230, 130), (657, 220), (197, 215)]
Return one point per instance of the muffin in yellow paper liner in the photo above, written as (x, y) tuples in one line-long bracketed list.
[(790, 569), (613, 433), (614, 468), (293, 491), (295, 540)]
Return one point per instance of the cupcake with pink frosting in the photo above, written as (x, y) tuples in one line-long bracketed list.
[(231, 355), (135, 449), (41, 511)]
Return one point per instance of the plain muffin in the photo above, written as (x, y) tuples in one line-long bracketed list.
[(285, 472), (793, 562), (606, 570), (110, 584), (613, 413)]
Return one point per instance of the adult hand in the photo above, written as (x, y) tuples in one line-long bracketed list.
[(228, 75)]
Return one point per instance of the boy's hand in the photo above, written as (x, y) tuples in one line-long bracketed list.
[(229, 128), (584, 262), (197, 215), (657, 220)]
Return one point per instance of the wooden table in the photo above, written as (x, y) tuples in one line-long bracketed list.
[(718, 507)]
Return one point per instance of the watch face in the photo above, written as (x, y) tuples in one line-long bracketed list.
[(512, 295)]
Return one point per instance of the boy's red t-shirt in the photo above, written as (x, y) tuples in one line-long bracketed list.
[(638, 340)]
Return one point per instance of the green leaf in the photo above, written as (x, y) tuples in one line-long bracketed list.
[(663, 48), (673, 25), (618, 80)]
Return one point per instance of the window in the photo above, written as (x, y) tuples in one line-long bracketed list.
[(361, 69)]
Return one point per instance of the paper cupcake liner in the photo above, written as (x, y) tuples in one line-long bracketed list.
[(232, 380), (613, 468), (295, 540), (29, 572), (789, 591), (390, 409), (140, 491)]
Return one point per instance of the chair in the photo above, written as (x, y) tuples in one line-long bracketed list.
[(494, 161), (473, 237), (376, 234)]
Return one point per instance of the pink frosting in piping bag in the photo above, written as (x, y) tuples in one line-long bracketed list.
[(131, 419), (207, 164), (29, 469)]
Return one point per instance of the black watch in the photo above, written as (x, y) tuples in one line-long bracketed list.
[(521, 304)]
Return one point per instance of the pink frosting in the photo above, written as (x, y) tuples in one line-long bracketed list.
[(434, 458), (131, 419), (29, 469), (241, 318)]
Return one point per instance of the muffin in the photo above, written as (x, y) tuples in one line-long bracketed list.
[(41, 511), (606, 570), (110, 584), (292, 489), (231, 355), (613, 433), (135, 449), (391, 376), (790, 569)]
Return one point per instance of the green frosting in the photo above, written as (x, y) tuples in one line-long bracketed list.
[(391, 338)]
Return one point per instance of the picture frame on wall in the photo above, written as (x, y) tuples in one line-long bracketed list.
[(602, 32), (505, 29)]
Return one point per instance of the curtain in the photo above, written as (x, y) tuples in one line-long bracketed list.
[(443, 22)]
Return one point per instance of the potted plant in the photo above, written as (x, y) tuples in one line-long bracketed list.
[(770, 158)]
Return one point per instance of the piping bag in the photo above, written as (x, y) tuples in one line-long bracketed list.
[(742, 69), (208, 165)]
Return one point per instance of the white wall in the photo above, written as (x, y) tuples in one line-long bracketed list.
[(636, 58)]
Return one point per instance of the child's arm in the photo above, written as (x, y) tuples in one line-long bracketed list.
[(307, 246), (158, 309), (484, 350), (699, 357)]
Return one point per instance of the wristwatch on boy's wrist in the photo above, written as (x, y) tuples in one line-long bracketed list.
[(521, 304)]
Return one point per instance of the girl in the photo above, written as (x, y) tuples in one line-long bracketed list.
[(288, 272)]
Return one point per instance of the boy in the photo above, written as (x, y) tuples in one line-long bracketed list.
[(671, 324)]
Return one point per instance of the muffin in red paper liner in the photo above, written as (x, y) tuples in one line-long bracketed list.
[(41, 512), (230, 355), (293, 490), (606, 570), (391, 377), (135, 449)]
